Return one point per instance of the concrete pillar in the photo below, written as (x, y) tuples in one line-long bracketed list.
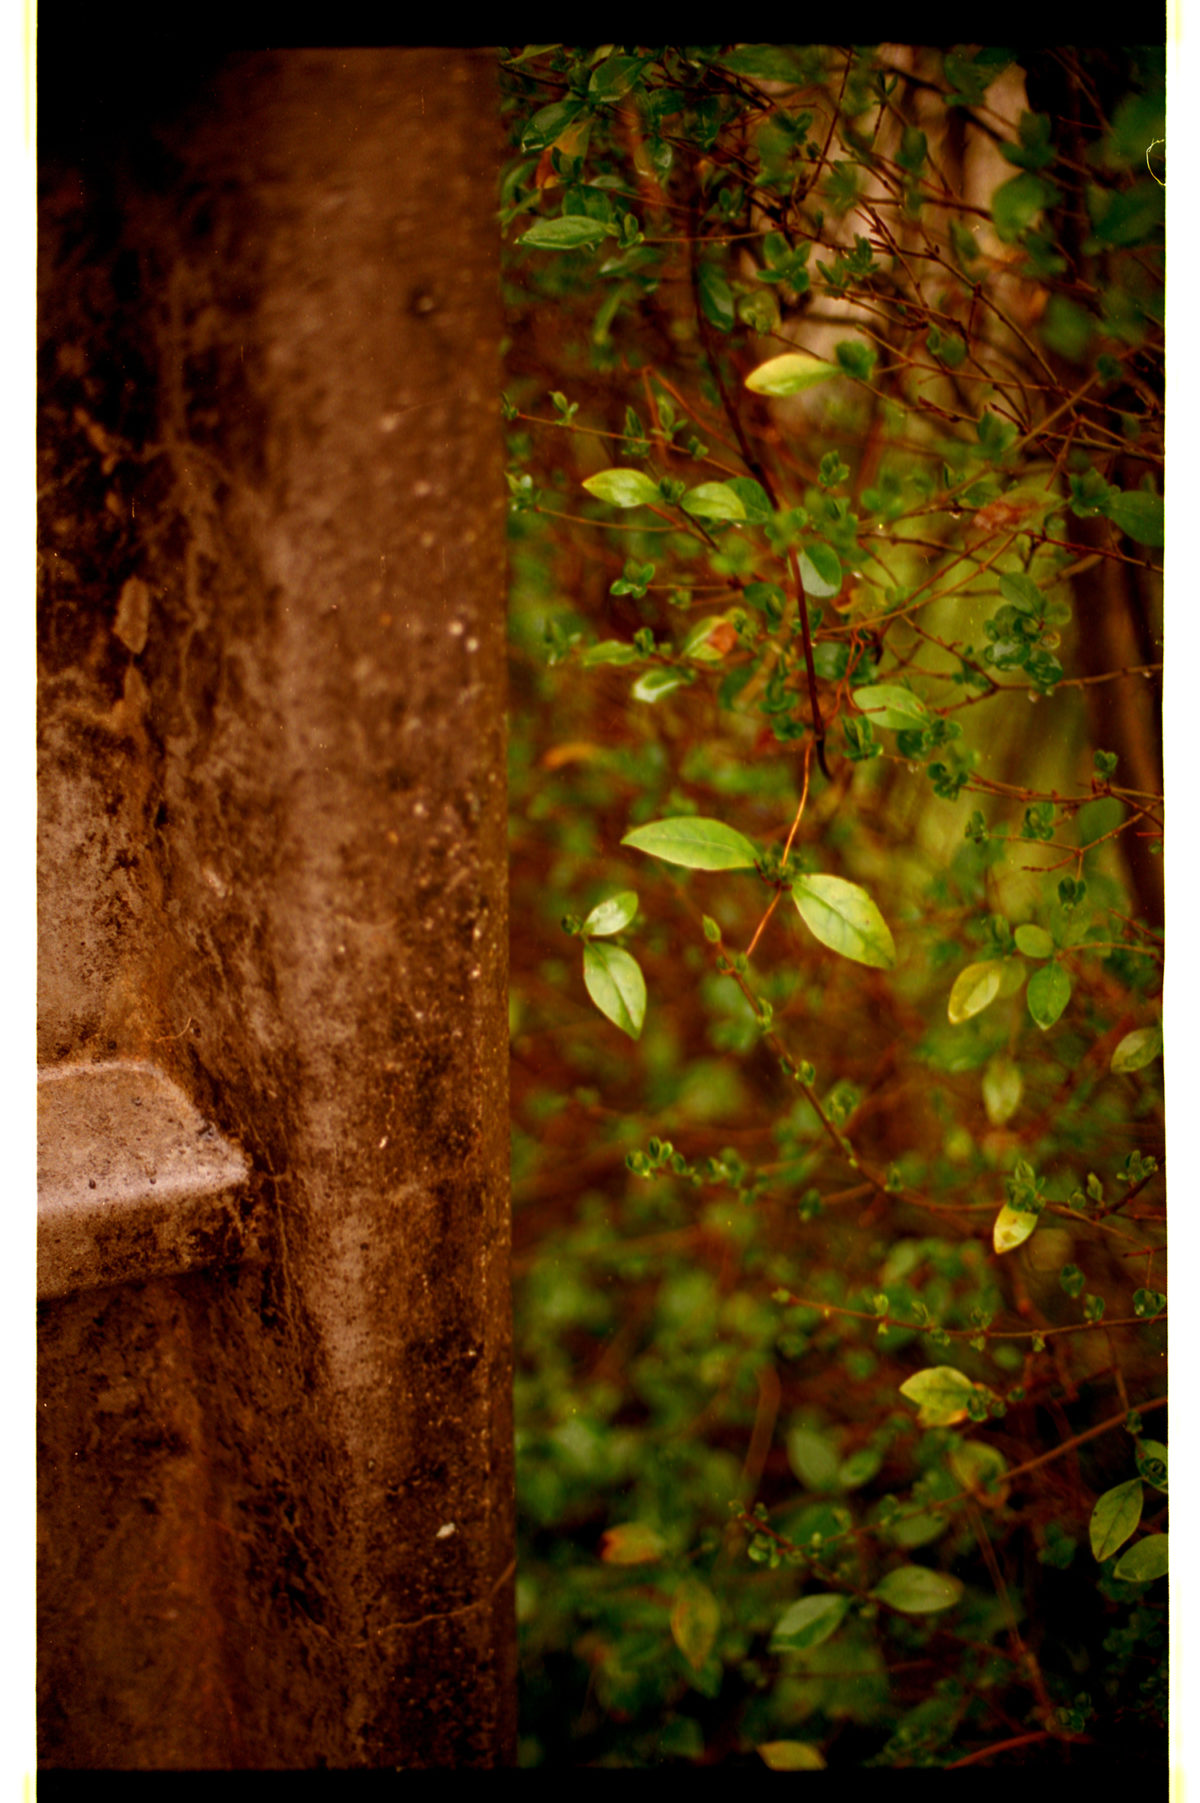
[(275, 1458)]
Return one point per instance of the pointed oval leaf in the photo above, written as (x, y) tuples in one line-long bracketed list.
[(889, 706), (753, 496), (843, 917), (1034, 941), (550, 123), (791, 1756), (697, 844), (975, 988), (695, 1618), (1048, 994), (654, 684), (1145, 1561), (859, 1468), (573, 232), (616, 985), (1002, 1087), (713, 501), (915, 1590), (1115, 1518), (614, 77), (814, 1457), (611, 915), (1023, 593), (789, 374), (979, 1467), (1137, 513), (941, 1393), (623, 488), (809, 1622), (1013, 1227), (820, 571), (1137, 1049)]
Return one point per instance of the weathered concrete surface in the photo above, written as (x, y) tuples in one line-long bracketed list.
[(276, 1500)]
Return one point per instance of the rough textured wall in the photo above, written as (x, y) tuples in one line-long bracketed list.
[(277, 1499)]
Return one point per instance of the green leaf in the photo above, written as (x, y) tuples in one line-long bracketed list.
[(1034, 941), (1137, 513), (859, 1468), (894, 708), (789, 374), (716, 297), (611, 915), (756, 505), (616, 985), (814, 1458), (976, 1465), (791, 1756), (1115, 1518), (975, 988), (843, 917), (575, 232), (1139, 1048), (1023, 593), (623, 488), (809, 1622), (695, 1618), (915, 1590), (609, 651), (1048, 994), (657, 683), (614, 78), (1152, 1463), (1002, 1086), (550, 123), (820, 571), (697, 844), (1012, 1228), (713, 501), (764, 62), (1145, 1561), (941, 1393), (1017, 203)]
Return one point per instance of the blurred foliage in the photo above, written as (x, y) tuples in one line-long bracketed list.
[(834, 398)]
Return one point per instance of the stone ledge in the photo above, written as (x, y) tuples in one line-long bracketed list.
[(133, 1182)]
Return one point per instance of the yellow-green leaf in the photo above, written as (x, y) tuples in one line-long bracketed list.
[(789, 374), (695, 1618), (1115, 1517), (1013, 1227), (615, 983), (915, 1590), (791, 1756), (697, 844), (623, 488), (890, 706), (843, 917), (1137, 1049), (1145, 1560), (713, 501), (941, 1393), (809, 1622), (975, 988), (611, 915), (1002, 1087)]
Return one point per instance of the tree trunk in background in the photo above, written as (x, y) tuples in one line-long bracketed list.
[(276, 1469)]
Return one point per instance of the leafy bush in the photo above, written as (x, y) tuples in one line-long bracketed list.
[(834, 393)]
